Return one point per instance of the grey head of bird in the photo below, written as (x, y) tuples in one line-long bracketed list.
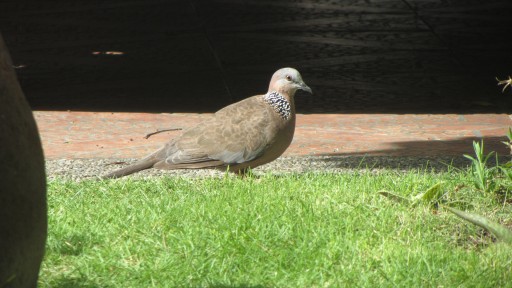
[(288, 81)]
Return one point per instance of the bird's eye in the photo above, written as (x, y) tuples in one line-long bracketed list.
[(288, 77)]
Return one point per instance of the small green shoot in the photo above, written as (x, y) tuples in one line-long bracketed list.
[(433, 194), (482, 176), (509, 142), (501, 232), (505, 169), (509, 134)]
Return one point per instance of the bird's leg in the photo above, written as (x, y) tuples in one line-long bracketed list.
[(245, 173), (160, 131)]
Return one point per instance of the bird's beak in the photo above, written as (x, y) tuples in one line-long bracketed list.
[(306, 88)]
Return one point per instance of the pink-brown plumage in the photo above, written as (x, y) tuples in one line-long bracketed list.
[(242, 135)]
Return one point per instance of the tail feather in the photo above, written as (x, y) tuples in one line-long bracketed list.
[(138, 166)]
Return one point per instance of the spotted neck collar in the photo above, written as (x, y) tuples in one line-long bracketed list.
[(279, 104)]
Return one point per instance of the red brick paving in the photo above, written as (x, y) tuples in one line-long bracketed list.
[(72, 135)]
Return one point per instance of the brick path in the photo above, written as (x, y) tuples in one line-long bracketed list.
[(72, 135)]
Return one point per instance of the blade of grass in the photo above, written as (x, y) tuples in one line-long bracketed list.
[(395, 197), (501, 232)]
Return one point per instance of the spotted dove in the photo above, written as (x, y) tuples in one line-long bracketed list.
[(242, 135)]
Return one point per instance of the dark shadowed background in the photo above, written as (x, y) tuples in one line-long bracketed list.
[(358, 56)]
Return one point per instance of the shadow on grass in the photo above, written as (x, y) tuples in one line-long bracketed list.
[(73, 244), (437, 154), (75, 282)]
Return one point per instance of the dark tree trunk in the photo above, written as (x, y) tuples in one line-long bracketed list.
[(23, 221)]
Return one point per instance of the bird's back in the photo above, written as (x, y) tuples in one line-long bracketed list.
[(238, 133)]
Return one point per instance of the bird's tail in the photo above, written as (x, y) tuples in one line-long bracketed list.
[(143, 164)]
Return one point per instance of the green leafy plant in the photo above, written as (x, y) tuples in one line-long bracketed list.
[(506, 168), (482, 175), (431, 196)]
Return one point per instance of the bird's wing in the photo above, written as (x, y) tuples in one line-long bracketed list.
[(237, 133)]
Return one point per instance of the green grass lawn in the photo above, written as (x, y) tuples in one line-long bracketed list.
[(307, 230)]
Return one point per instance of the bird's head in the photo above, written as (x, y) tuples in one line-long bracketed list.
[(288, 81)]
